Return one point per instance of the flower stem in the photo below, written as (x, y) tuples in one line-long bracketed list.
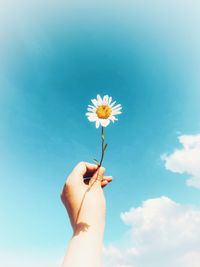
[(103, 147)]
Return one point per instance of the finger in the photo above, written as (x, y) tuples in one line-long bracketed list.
[(98, 176), (91, 169), (85, 169), (106, 181), (107, 178), (100, 179)]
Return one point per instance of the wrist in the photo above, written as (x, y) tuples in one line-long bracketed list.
[(89, 226), (91, 218), (88, 242)]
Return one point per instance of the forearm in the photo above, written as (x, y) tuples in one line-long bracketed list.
[(86, 208), (85, 247)]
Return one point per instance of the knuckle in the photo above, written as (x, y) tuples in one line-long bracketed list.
[(62, 196), (103, 169), (78, 166), (81, 163), (65, 188), (67, 185)]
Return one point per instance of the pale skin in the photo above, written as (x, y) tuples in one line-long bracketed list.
[(86, 206)]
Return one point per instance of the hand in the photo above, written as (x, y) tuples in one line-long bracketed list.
[(85, 202)]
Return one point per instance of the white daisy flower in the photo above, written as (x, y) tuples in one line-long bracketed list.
[(103, 111)]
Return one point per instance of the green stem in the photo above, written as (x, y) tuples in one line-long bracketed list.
[(102, 146)]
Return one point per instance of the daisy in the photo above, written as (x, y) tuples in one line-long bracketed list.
[(103, 111)]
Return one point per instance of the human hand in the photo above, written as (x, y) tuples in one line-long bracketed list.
[(85, 202)]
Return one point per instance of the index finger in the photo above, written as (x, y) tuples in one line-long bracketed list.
[(85, 169)]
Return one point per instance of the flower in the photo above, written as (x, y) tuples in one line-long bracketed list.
[(103, 111)]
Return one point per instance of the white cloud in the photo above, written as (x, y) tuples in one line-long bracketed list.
[(162, 233), (186, 159)]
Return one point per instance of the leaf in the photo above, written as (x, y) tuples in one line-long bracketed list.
[(96, 161), (105, 146)]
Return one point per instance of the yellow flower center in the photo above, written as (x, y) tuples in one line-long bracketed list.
[(103, 112)]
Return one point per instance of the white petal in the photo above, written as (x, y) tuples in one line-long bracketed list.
[(90, 106), (110, 100), (116, 112), (116, 109), (117, 106), (105, 100), (89, 114), (93, 115), (113, 119), (99, 100), (94, 101), (112, 104), (91, 109), (97, 124), (104, 122), (92, 119)]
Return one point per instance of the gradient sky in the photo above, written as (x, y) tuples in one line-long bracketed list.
[(55, 57)]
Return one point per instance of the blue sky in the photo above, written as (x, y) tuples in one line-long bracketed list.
[(55, 57)]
